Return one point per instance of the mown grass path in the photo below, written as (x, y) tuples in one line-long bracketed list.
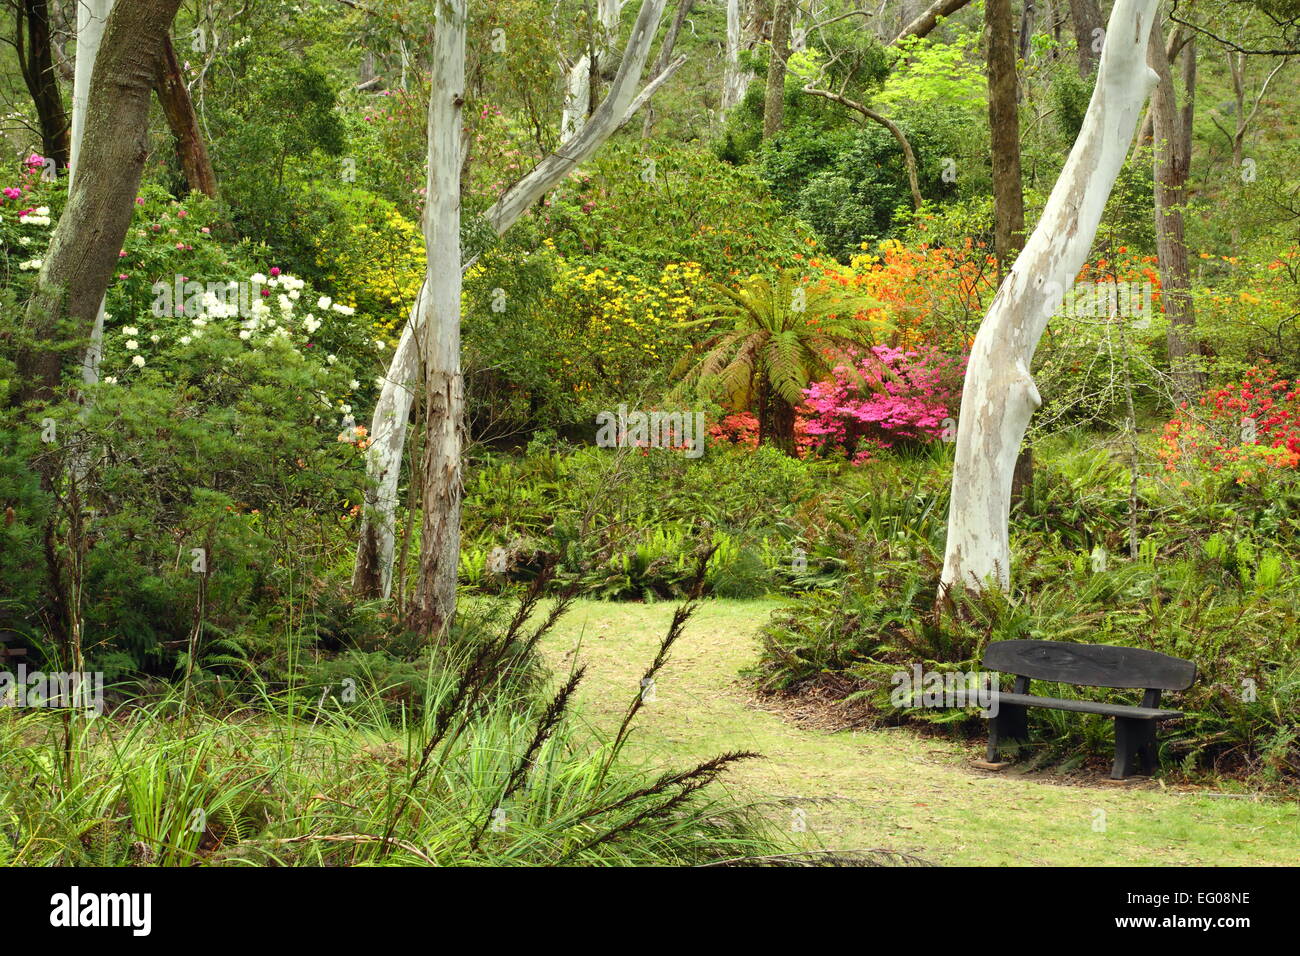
[(892, 789)]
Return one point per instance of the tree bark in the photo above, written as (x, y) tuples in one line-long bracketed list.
[(434, 604), (372, 572), (84, 246), (92, 18), (1004, 124), (1171, 132), (774, 100), (174, 98), (1086, 15), (36, 63), (999, 396), (734, 80), (1004, 151)]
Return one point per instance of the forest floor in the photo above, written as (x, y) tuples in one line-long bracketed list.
[(893, 789)]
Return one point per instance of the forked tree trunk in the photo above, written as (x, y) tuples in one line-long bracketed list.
[(665, 58), (999, 396), (174, 98), (444, 390), (578, 84), (84, 245), (372, 573)]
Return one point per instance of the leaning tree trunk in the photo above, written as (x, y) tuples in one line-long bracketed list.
[(36, 63), (444, 390), (774, 100), (174, 98), (372, 573), (83, 252), (930, 18), (999, 396), (1171, 133)]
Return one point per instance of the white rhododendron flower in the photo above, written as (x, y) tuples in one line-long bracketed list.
[(132, 345), (138, 361)]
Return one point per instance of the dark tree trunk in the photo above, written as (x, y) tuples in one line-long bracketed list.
[(1004, 122), (1086, 15), (174, 97), (774, 101), (1008, 188), (36, 62), (1171, 133), (84, 246)]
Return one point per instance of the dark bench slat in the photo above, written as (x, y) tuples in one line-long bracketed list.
[(1086, 706), (1091, 665)]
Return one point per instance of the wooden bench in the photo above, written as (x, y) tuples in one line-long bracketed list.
[(1088, 665)]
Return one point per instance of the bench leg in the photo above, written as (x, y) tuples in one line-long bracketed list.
[(1135, 745), (1009, 729)]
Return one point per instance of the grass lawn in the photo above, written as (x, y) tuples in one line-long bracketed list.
[(893, 789)]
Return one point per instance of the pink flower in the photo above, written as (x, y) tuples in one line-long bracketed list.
[(139, 200), (275, 270)]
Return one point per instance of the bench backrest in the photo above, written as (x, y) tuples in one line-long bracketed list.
[(1092, 665)]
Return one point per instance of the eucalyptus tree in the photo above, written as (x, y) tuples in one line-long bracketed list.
[(999, 396)]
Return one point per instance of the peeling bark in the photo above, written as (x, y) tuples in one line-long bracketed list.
[(434, 604)]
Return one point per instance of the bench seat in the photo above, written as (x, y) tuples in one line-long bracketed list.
[(1086, 665), (1087, 706)]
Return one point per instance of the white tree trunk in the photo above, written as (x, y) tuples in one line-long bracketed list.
[(372, 573), (435, 597), (577, 84), (92, 16), (999, 395), (734, 80)]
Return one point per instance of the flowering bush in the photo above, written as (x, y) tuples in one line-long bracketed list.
[(25, 224), (891, 396), (1250, 428)]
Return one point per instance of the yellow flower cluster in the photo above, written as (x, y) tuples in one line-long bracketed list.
[(381, 265), (620, 321)]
